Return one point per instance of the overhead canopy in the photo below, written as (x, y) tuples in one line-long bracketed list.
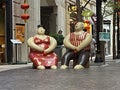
[(47, 3)]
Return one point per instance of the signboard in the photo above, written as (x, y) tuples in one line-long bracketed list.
[(104, 36), (16, 41), (20, 32)]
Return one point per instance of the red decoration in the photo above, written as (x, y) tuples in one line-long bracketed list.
[(86, 21), (25, 16), (25, 6), (87, 27)]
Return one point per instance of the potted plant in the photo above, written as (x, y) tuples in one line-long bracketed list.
[(58, 50), (59, 38)]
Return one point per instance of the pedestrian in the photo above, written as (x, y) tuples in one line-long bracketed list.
[(92, 50), (60, 32)]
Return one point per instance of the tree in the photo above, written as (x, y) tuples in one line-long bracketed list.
[(77, 13), (80, 9), (111, 7)]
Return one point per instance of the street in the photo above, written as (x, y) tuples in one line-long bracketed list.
[(104, 77)]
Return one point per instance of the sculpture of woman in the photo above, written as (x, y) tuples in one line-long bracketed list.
[(78, 47), (41, 50)]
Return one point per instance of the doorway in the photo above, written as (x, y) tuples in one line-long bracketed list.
[(48, 19), (2, 31)]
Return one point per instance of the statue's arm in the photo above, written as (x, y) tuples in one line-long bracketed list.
[(32, 45), (53, 44), (67, 43)]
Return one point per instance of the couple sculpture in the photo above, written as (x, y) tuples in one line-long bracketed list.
[(77, 45)]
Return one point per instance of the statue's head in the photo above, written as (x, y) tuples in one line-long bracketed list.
[(79, 26), (41, 30)]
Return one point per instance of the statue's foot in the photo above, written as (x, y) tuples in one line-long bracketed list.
[(64, 67), (78, 67), (40, 67), (53, 67)]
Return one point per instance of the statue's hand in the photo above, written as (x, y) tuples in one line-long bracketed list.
[(73, 48), (41, 49), (46, 51), (77, 49)]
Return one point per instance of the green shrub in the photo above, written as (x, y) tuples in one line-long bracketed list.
[(59, 38)]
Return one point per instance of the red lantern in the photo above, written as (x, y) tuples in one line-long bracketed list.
[(25, 16), (86, 21), (25, 6), (87, 27)]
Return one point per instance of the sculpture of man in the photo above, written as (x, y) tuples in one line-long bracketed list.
[(78, 47)]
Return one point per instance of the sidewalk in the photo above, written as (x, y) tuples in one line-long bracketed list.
[(9, 67), (108, 60), (23, 77)]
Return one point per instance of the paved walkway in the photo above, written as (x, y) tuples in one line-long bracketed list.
[(94, 78), (97, 77), (92, 64), (17, 66), (23, 77)]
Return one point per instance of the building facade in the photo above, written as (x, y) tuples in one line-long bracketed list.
[(13, 27), (52, 14)]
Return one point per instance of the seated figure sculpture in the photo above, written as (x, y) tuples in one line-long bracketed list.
[(78, 48), (41, 50)]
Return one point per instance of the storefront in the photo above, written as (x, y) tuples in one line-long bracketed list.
[(2, 31), (8, 27)]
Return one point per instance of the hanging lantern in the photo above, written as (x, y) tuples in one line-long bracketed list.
[(25, 17), (25, 6)]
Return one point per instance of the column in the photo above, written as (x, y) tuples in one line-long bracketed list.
[(61, 21)]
